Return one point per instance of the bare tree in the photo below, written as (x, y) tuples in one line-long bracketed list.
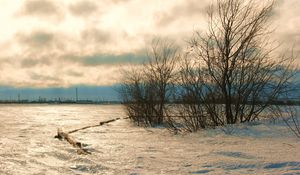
[(233, 73), (135, 93), (146, 91)]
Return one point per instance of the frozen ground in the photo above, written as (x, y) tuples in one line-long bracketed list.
[(27, 145)]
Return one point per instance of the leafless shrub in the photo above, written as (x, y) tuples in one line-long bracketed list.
[(146, 91), (290, 117)]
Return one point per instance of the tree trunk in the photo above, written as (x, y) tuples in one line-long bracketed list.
[(65, 136)]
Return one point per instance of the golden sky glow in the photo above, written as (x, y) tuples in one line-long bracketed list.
[(50, 43)]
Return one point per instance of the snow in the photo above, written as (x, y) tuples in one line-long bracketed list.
[(27, 145)]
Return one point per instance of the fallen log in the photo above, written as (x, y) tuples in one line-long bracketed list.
[(65, 136), (80, 146), (108, 121), (86, 127), (91, 126)]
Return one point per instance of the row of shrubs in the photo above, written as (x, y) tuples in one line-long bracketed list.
[(229, 74)]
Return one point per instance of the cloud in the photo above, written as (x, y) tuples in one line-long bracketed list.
[(120, 1), (86, 42), (41, 77), (95, 36), (39, 42), (74, 73), (37, 38), (112, 59), (83, 8), (30, 62), (287, 24), (106, 59), (41, 8), (185, 10)]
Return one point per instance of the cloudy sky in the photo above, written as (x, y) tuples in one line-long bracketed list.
[(62, 43)]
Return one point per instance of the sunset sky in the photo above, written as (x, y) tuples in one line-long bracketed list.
[(63, 43)]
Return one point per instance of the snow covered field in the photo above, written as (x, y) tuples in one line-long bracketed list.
[(27, 145)]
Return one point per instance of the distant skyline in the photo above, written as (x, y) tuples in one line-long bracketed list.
[(66, 43), (94, 93)]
